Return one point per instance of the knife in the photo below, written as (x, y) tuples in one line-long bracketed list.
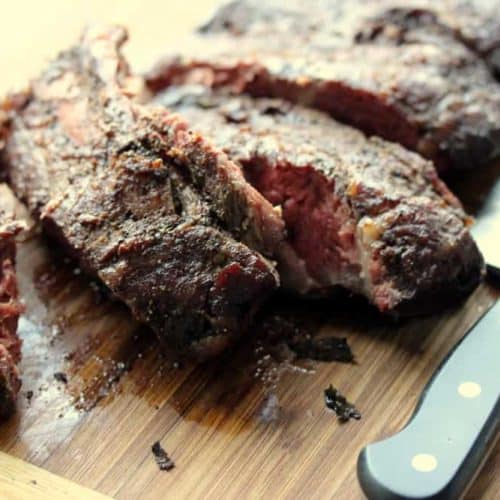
[(486, 230), (454, 425), (456, 421)]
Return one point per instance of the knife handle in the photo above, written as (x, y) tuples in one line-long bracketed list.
[(455, 422), (493, 272)]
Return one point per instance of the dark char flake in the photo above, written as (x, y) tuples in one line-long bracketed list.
[(339, 404), (162, 459)]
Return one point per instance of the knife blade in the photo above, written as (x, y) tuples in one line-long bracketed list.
[(486, 229), (455, 423)]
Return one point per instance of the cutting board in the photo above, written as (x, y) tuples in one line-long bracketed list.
[(20, 480), (216, 420), (98, 392)]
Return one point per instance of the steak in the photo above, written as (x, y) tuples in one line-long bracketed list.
[(163, 218), (475, 23), (361, 213), (10, 309), (419, 87), (472, 23)]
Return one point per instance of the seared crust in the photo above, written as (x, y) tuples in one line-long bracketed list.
[(398, 74), (474, 23), (155, 211), (361, 212)]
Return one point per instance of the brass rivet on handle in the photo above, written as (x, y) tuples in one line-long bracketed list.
[(469, 389), (424, 462)]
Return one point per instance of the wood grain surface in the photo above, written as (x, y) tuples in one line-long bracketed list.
[(219, 420), (20, 480)]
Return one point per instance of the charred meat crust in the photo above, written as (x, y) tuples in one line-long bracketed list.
[(361, 213), (10, 309), (155, 211), (393, 76), (475, 23)]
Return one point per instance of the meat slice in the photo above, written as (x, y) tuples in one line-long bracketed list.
[(361, 213), (10, 308), (475, 23), (470, 22), (162, 217), (425, 90)]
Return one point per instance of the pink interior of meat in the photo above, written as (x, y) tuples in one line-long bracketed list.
[(320, 225), (366, 110), (361, 108), (9, 310)]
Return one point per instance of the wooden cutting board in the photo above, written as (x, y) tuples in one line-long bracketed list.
[(216, 420), (122, 396), (20, 480)]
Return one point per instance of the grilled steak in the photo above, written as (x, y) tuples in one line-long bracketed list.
[(361, 213), (10, 308), (162, 217), (475, 23), (472, 23), (418, 86)]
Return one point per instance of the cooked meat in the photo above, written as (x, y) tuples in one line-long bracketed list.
[(425, 90), (162, 217), (10, 308), (361, 213), (475, 23)]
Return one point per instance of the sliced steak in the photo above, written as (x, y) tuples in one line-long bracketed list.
[(10, 308), (472, 23), (162, 217), (361, 213), (475, 23), (426, 91)]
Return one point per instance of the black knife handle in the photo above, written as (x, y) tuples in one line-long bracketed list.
[(493, 272), (456, 420)]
